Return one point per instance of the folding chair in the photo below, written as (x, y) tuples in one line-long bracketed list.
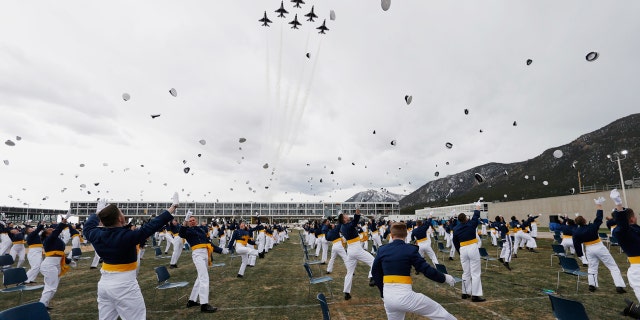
[(557, 238), (604, 238), (306, 258), (564, 309), (442, 249), (558, 251), (499, 247), (159, 254), (163, 281), (6, 261), (443, 269), (485, 256), (613, 241), (76, 254), (312, 280), (570, 266), (324, 306), (32, 311), (17, 277)]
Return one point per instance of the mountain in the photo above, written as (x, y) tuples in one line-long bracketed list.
[(584, 159), (375, 196)]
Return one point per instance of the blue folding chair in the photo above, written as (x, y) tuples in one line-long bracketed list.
[(163, 281), (31, 311), (443, 250), (6, 261), (484, 255), (564, 309), (313, 280), (558, 251), (324, 306), (17, 277), (570, 266), (159, 254)]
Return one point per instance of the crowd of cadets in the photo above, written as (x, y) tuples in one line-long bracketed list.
[(348, 238), (46, 245)]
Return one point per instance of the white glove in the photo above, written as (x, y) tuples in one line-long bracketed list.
[(189, 214), (615, 196), (102, 203), (448, 279), (66, 217), (479, 203), (225, 251), (175, 199), (3, 224), (599, 200)]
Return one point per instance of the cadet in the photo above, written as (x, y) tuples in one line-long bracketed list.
[(118, 290), (391, 272), (355, 252), (466, 243)]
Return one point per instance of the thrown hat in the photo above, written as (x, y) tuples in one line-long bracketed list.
[(173, 92), (592, 56), (479, 178), (385, 4), (126, 96)]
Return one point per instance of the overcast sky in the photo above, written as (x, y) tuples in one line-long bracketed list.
[(64, 67)]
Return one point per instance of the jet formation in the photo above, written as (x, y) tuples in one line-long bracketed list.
[(282, 12)]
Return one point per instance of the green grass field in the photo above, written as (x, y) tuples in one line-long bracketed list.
[(277, 288)]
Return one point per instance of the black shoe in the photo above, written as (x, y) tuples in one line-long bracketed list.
[(240, 276), (372, 283), (347, 296), (328, 272), (261, 255), (477, 299), (207, 308), (592, 288), (49, 308), (585, 265), (506, 264), (501, 260), (515, 255), (534, 250), (93, 268), (450, 258), (417, 272), (173, 266), (621, 290), (165, 253), (192, 303), (466, 296)]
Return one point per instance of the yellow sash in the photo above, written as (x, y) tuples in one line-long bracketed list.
[(466, 243), (634, 260), (120, 267), (63, 261), (354, 240), (397, 279), (588, 243), (209, 248), (421, 240)]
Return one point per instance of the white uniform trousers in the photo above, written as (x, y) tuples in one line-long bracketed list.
[(5, 244), (494, 237), (50, 269), (517, 241), (75, 243), (507, 249), (377, 242), (311, 240), (440, 231), (200, 292), (336, 250), (261, 241), (483, 229), (35, 260), (223, 241), (65, 236), (245, 251), (169, 238), (324, 245), (119, 295), (567, 243), (355, 253), (598, 252), (96, 260), (633, 275), (534, 230), (159, 238), (528, 240), (448, 236), (17, 250), (318, 245), (270, 242), (471, 269), (426, 251), (400, 299), (178, 245)]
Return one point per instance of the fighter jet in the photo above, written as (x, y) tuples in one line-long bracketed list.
[(295, 22), (311, 15), (323, 27), (297, 3), (281, 10), (265, 21)]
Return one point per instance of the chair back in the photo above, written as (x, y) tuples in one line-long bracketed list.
[(442, 268), (564, 309), (614, 241), (158, 252), (483, 252), (603, 236), (440, 246), (162, 273), (569, 264), (32, 311), (324, 306), (6, 260), (308, 269), (76, 252), (14, 276), (558, 248)]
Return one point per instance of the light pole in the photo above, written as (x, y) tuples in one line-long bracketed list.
[(617, 155)]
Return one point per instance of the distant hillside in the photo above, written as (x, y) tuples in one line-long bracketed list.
[(589, 152), (375, 196)]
